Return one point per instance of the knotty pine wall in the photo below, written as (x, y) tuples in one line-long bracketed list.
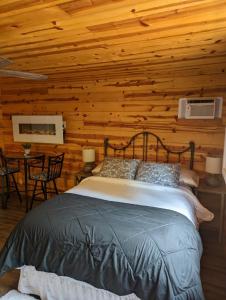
[(115, 108)]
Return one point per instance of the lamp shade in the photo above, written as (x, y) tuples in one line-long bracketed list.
[(88, 155), (213, 165)]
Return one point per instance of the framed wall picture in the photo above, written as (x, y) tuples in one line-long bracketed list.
[(38, 129)]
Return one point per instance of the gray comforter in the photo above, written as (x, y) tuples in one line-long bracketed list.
[(123, 248)]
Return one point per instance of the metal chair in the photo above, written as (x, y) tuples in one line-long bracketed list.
[(8, 167), (46, 174)]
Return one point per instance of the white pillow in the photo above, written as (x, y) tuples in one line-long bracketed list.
[(189, 177), (97, 169)]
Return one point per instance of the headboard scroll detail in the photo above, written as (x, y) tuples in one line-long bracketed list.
[(145, 136)]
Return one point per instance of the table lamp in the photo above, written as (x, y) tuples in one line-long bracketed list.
[(88, 157), (213, 169)]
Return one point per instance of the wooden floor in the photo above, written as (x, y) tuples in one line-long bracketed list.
[(213, 271), (213, 264)]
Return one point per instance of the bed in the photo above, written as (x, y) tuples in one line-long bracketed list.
[(121, 235)]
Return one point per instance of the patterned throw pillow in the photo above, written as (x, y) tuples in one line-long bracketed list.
[(119, 168), (159, 173)]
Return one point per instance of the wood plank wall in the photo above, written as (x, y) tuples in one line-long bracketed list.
[(114, 108), (1, 127), (115, 67)]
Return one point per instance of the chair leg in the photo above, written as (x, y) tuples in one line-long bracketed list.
[(45, 191), (7, 186), (33, 194), (4, 199), (54, 182), (16, 187)]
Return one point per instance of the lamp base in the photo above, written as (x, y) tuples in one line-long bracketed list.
[(213, 180)]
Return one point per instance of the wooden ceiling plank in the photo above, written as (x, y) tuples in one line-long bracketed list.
[(11, 9), (182, 38), (161, 40), (97, 17), (159, 46)]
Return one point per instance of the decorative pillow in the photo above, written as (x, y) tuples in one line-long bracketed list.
[(159, 173), (189, 177), (119, 168)]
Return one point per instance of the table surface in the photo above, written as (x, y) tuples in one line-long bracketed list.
[(22, 155)]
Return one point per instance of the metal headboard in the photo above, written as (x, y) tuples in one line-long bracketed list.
[(146, 146)]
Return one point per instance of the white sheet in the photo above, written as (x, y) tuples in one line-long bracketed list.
[(181, 199)]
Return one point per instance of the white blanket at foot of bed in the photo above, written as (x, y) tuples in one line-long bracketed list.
[(49, 286), (15, 295)]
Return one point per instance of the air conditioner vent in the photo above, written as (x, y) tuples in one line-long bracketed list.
[(200, 101)]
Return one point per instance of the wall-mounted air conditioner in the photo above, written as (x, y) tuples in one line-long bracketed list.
[(200, 108)]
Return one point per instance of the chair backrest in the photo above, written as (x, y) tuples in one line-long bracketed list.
[(55, 164), (9, 164), (35, 165)]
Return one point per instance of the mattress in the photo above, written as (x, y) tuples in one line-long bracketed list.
[(181, 199)]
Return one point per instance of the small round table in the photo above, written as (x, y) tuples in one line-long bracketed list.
[(25, 158)]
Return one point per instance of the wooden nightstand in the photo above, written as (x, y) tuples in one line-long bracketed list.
[(213, 198), (81, 175)]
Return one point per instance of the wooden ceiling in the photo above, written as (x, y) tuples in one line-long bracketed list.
[(90, 39)]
